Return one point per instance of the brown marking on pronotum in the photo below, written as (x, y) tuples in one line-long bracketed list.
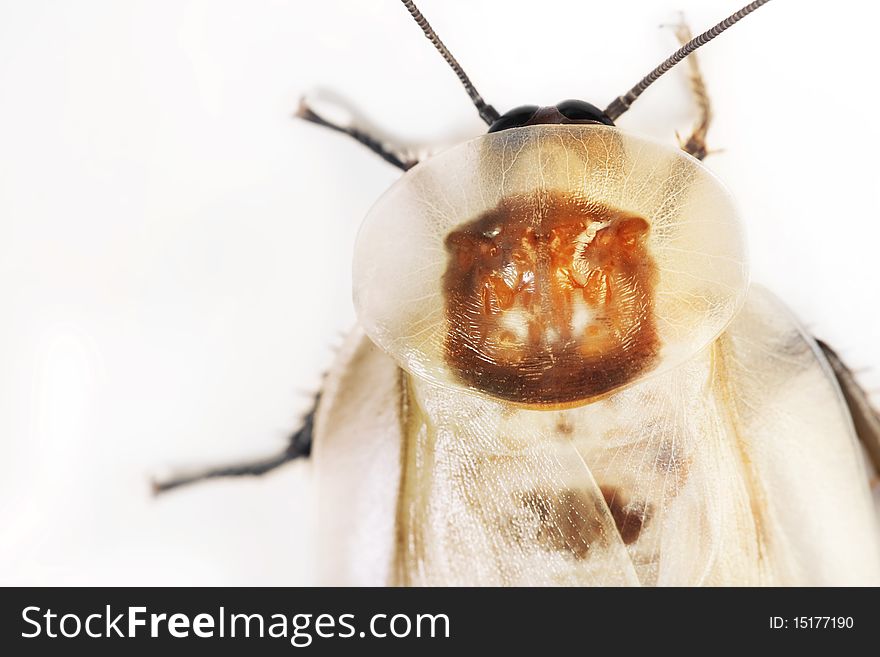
[(550, 300)]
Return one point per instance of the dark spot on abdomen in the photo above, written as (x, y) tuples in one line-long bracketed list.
[(629, 517), (568, 521), (571, 521)]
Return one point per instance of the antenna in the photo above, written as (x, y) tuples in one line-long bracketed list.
[(488, 113), (622, 103)]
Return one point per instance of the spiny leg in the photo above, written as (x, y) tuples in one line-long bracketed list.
[(299, 446), (391, 154), (695, 144)]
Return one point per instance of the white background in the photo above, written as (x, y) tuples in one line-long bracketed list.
[(175, 249)]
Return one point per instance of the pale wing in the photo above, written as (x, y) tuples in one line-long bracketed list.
[(866, 418), (356, 454), (738, 468), (809, 487), (491, 495), (670, 465), (495, 495)]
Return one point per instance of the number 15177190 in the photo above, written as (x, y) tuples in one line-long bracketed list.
[(812, 622)]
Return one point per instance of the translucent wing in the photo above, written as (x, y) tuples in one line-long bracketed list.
[(495, 495), (810, 499), (416, 487), (358, 440)]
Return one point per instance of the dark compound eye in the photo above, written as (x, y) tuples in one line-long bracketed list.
[(568, 111), (579, 110), (515, 118)]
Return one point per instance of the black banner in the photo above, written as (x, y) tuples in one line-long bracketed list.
[(286, 621)]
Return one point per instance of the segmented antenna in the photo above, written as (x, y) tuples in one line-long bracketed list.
[(488, 113), (622, 103)]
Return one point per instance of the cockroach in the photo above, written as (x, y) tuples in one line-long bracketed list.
[(561, 375)]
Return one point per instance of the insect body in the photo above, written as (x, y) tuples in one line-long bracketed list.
[(565, 379), (580, 387), (562, 376)]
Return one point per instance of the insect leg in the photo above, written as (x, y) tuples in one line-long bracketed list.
[(864, 416), (391, 154), (695, 144), (299, 446)]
